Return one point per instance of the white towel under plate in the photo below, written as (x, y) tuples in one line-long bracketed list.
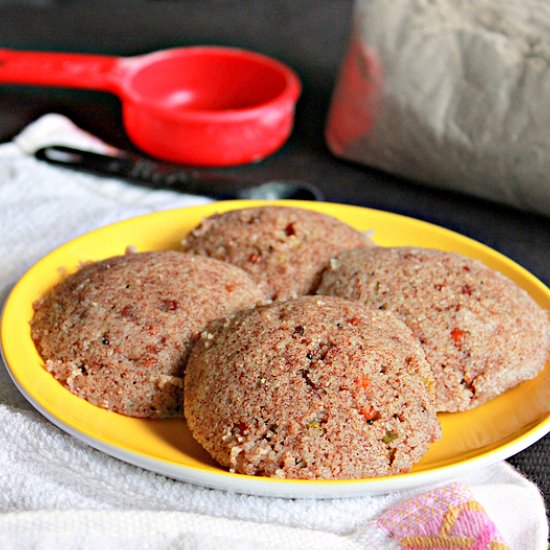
[(58, 493)]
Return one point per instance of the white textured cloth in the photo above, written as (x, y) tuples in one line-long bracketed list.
[(58, 493)]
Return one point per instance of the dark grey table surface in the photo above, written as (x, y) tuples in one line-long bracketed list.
[(309, 35)]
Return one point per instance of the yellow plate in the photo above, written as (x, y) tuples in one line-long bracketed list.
[(470, 439)]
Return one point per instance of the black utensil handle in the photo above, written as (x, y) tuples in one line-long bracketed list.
[(155, 175)]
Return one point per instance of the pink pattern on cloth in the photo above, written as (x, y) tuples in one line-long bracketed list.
[(447, 517)]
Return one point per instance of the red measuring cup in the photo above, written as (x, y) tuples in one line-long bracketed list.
[(200, 105)]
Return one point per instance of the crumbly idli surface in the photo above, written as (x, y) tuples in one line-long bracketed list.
[(482, 333), (118, 332), (311, 388), (284, 249)]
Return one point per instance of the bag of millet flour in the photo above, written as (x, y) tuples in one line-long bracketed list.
[(452, 93)]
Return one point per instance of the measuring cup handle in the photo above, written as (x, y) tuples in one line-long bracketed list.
[(95, 72)]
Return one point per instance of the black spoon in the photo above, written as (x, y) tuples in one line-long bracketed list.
[(161, 175)]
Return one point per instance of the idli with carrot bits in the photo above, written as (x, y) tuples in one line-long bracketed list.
[(482, 333), (118, 331), (311, 388), (284, 249)]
